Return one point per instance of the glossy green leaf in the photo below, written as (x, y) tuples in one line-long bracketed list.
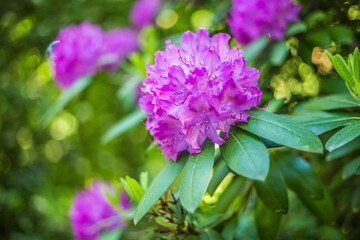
[(210, 234), (341, 34), (267, 222), (356, 65), (159, 185), (343, 136), (220, 171), (272, 191), (254, 49), (127, 188), (229, 229), (296, 28), (279, 53), (321, 122), (245, 154), (342, 69), (123, 125), (196, 176), (66, 96), (331, 102), (135, 188), (344, 150), (111, 235), (282, 130), (323, 209), (350, 168), (299, 175)]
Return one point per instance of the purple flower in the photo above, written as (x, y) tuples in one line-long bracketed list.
[(85, 49), (195, 89), (249, 20), (92, 213), (144, 12)]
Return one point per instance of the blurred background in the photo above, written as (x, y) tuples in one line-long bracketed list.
[(41, 168)]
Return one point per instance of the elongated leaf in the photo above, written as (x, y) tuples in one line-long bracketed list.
[(296, 28), (220, 171), (350, 168), (344, 150), (123, 125), (357, 66), (279, 53), (343, 136), (159, 185), (196, 176), (343, 70), (135, 187), (255, 48), (323, 209), (299, 175), (336, 101), (282, 130), (245, 154), (272, 191), (267, 222), (210, 234), (112, 235), (66, 96), (355, 200)]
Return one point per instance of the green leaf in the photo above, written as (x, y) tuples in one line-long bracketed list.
[(135, 188), (341, 34), (245, 154), (323, 209), (127, 188), (299, 175), (144, 180), (343, 70), (282, 130), (330, 102), (318, 37), (321, 122), (356, 66), (220, 171), (267, 222), (343, 136), (296, 28), (66, 96), (196, 176), (279, 53), (350, 168), (344, 150), (355, 200), (111, 235), (272, 191), (229, 229), (210, 234), (254, 49), (123, 125), (159, 185)]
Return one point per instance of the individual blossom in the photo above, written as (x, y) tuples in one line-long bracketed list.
[(92, 213), (195, 89), (84, 49), (249, 20), (143, 12)]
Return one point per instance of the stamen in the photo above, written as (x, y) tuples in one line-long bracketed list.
[(143, 122), (182, 59), (173, 101), (263, 108), (154, 145)]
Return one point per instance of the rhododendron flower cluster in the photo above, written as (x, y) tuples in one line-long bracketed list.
[(195, 89), (84, 49), (92, 213), (249, 20), (143, 12)]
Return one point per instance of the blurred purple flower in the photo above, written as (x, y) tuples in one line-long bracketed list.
[(249, 20), (195, 89), (143, 12), (85, 49), (92, 213)]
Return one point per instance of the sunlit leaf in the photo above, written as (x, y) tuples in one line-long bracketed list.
[(65, 97), (279, 53), (196, 176), (282, 130), (123, 125), (299, 175), (159, 185), (137, 191), (220, 171), (245, 154), (272, 191), (343, 136), (267, 222)]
